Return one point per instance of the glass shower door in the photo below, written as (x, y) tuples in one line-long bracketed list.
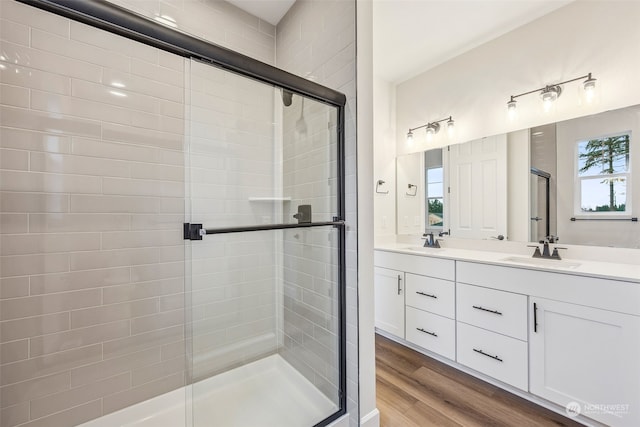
[(266, 272)]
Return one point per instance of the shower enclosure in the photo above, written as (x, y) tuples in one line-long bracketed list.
[(187, 233)]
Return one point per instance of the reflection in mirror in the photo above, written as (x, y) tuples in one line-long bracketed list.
[(434, 191), (570, 181)]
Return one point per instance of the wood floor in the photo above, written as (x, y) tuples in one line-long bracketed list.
[(414, 390)]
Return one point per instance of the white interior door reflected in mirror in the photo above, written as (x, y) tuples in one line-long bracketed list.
[(478, 195)]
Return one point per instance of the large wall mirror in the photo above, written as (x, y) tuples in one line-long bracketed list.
[(576, 181)]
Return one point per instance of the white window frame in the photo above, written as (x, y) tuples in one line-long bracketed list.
[(577, 194)]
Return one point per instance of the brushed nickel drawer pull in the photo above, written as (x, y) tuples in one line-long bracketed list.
[(427, 332), (426, 295), (477, 307), (488, 355)]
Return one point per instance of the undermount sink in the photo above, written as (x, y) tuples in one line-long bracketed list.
[(543, 262)]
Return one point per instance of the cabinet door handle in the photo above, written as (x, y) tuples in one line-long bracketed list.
[(427, 332), (426, 295), (535, 317), (399, 284), (477, 307), (487, 354)]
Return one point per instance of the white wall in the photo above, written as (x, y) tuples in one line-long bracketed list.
[(384, 149), (410, 202), (601, 233), (595, 36), (368, 414)]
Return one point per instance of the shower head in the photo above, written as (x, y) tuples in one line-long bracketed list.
[(287, 97)]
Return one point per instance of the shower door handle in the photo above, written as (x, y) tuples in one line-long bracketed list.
[(197, 231)]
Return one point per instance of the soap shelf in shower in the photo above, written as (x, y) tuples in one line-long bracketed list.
[(269, 199)]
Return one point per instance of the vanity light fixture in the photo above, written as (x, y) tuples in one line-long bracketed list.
[(410, 137), (550, 93), (433, 128)]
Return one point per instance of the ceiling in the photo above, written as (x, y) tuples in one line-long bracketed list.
[(271, 11), (412, 36)]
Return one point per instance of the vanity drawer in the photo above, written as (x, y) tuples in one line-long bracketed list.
[(433, 295), (496, 355), (417, 264), (498, 311), (432, 332)]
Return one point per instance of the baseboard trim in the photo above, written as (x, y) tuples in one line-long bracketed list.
[(372, 419)]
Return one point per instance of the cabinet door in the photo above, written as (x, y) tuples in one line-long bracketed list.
[(588, 356), (389, 300)]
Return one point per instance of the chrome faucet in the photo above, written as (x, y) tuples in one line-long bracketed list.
[(546, 253)]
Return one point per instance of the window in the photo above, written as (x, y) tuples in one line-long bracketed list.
[(603, 175), (434, 190)]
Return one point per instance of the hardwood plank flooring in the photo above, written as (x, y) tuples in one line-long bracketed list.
[(414, 390)]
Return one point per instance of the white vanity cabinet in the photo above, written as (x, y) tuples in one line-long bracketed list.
[(589, 356), (583, 337), (558, 335), (389, 300), (426, 300)]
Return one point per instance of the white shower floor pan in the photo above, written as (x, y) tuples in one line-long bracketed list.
[(265, 393)]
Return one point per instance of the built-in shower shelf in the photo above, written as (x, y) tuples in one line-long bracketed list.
[(269, 199)]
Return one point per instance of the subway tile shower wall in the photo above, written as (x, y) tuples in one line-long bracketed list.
[(92, 200), (316, 40)]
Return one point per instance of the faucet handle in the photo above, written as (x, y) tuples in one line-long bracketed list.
[(536, 253), (555, 254)]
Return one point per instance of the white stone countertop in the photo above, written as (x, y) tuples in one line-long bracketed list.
[(521, 258)]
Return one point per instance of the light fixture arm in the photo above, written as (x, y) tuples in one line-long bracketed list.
[(588, 77), (431, 123)]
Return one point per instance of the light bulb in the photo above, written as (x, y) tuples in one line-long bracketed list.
[(432, 129), (410, 137), (512, 109), (589, 86), (430, 133), (451, 127), (549, 96)]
